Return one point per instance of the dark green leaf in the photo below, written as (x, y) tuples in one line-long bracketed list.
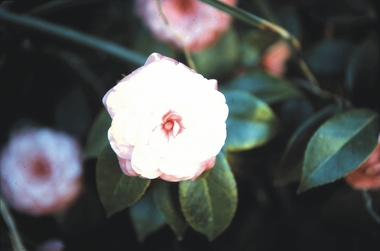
[(364, 62), (145, 216), (269, 88), (117, 191), (73, 114), (165, 204), (292, 159), (220, 58), (209, 203), (250, 123), (97, 138), (339, 146), (328, 57)]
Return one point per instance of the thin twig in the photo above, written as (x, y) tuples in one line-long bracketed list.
[(72, 35), (13, 233), (185, 49), (368, 204)]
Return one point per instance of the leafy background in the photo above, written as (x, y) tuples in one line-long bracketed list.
[(59, 83)]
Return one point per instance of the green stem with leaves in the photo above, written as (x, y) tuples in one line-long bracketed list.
[(263, 24)]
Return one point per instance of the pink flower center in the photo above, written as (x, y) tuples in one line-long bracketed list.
[(184, 6), (171, 124), (41, 169)]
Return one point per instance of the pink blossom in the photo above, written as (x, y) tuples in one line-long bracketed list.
[(40, 171), (196, 24), (367, 176), (275, 57), (168, 121), (51, 245)]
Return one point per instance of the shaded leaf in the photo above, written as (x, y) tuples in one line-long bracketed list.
[(269, 88), (220, 58), (73, 114), (250, 123), (329, 56), (145, 216), (117, 191), (360, 77), (338, 147), (85, 215), (97, 138), (209, 203), (289, 20), (290, 169), (166, 206)]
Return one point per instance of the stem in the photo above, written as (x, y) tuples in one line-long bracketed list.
[(185, 49), (14, 235), (63, 32), (368, 204), (266, 25)]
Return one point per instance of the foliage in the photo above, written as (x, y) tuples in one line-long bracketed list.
[(291, 139)]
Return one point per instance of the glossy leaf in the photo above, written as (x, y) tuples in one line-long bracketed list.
[(166, 205), (146, 217), (250, 123), (97, 138), (220, 58), (209, 202), (338, 147), (269, 88), (290, 169), (117, 191)]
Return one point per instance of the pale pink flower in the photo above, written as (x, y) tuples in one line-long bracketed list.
[(168, 121), (367, 176), (40, 171), (198, 25), (275, 57), (51, 245)]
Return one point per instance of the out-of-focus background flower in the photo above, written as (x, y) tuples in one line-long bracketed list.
[(53, 78)]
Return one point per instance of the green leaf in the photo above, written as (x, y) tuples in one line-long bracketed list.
[(209, 203), (97, 138), (117, 191), (250, 123), (290, 169), (338, 147), (363, 63), (269, 88), (145, 216), (329, 56), (166, 204), (219, 58)]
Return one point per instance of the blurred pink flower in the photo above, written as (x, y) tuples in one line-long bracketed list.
[(51, 245), (275, 57), (168, 121), (197, 24), (367, 176), (40, 171)]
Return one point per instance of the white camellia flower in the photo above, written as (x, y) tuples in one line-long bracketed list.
[(40, 171), (168, 121)]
